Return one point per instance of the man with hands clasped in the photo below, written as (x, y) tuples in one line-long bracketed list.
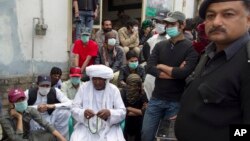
[(98, 108), (52, 104)]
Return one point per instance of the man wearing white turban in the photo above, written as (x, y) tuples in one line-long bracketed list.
[(98, 108)]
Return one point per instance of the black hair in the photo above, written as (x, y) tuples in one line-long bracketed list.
[(120, 11), (247, 5), (189, 24), (56, 70), (104, 20), (109, 34), (131, 54), (131, 23)]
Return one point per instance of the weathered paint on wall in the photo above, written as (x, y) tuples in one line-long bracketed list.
[(185, 6), (16, 37)]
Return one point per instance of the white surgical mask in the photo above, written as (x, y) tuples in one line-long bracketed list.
[(111, 42), (43, 91), (160, 28)]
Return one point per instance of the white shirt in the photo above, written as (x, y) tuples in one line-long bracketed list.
[(88, 98), (69, 90), (64, 101)]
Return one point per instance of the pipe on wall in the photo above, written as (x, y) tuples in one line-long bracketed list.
[(41, 12), (33, 50)]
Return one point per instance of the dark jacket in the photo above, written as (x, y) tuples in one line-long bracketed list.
[(115, 61), (172, 55), (218, 96), (8, 124), (51, 97), (87, 5)]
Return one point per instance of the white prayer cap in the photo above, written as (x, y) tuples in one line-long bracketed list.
[(99, 71)]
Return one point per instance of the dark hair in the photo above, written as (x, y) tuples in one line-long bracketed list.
[(104, 20), (247, 5), (131, 54), (56, 70), (180, 22), (189, 24), (120, 11), (109, 34), (131, 23)]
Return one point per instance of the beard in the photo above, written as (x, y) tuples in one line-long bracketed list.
[(107, 29)]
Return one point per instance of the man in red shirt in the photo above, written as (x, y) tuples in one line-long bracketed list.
[(85, 50)]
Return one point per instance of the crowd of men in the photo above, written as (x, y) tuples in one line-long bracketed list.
[(123, 83)]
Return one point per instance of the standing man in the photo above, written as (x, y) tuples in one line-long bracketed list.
[(86, 11), (85, 51), (171, 62), (219, 93), (52, 104), (161, 35), (98, 108)]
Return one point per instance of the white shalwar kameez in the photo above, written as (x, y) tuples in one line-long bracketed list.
[(89, 98)]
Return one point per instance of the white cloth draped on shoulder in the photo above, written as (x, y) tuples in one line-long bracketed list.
[(89, 98)]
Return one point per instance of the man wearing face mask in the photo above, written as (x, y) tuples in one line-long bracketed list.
[(85, 50), (132, 67), (161, 34), (100, 34), (70, 87), (16, 124), (111, 55), (171, 62), (150, 44), (129, 37), (52, 104)]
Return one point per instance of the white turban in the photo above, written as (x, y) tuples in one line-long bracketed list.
[(101, 71)]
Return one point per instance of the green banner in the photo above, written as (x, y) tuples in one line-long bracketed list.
[(150, 12)]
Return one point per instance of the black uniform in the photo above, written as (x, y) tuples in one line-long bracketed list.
[(218, 97)]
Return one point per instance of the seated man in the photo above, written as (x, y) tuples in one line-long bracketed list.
[(135, 101), (111, 55), (55, 75), (131, 67), (53, 105), (16, 124), (129, 37), (85, 51), (98, 108), (100, 34), (70, 87)]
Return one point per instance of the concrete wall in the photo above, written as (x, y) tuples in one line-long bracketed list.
[(185, 6), (16, 28), (16, 37)]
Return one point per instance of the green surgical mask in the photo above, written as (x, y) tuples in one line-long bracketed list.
[(133, 65), (21, 106), (85, 38), (172, 31), (75, 80)]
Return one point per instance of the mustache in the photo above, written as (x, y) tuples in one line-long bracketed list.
[(216, 29)]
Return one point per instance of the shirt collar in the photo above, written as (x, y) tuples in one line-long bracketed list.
[(231, 49)]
